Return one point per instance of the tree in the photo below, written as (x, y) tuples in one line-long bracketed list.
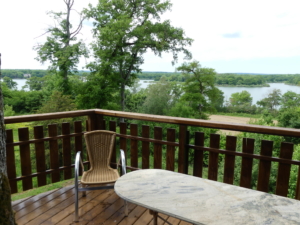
[(35, 83), (125, 30), (161, 96), (199, 88), (272, 101), (57, 103), (61, 48), (96, 92), (10, 83), (290, 100), (6, 211), (241, 98), (135, 100), (241, 102)]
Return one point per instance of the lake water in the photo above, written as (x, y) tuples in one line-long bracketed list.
[(257, 93)]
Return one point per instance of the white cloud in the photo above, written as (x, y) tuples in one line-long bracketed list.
[(262, 29)]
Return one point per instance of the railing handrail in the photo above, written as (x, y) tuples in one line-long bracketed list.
[(161, 119), (203, 123), (47, 116)]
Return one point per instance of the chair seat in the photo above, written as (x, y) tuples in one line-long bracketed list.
[(101, 176)]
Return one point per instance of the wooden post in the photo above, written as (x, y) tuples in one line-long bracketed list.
[(25, 158), (229, 160), (198, 155), (54, 156), (247, 163), (145, 147), (40, 155), (182, 149), (214, 157), (66, 144), (264, 166), (157, 148), (284, 170), (134, 146), (10, 161), (170, 150), (95, 122)]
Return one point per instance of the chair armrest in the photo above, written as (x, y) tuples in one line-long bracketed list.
[(77, 161), (123, 161)]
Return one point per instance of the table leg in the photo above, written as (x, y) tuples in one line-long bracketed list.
[(154, 216)]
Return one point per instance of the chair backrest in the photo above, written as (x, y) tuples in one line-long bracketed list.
[(99, 146)]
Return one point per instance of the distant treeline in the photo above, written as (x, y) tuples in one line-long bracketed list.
[(172, 76), (19, 73), (222, 79), (230, 79), (256, 80)]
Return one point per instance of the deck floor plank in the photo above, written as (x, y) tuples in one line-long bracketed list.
[(85, 210), (64, 209), (119, 215), (37, 198), (14, 203), (98, 207), (133, 216), (93, 208), (69, 211), (146, 218), (99, 218), (40, 210)]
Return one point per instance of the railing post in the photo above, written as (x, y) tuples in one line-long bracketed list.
[(182, 156), (95, 122)]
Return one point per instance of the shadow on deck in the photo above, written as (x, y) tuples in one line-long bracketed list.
[(98, 207)]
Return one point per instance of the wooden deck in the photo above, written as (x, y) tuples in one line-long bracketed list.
[(98, 207)]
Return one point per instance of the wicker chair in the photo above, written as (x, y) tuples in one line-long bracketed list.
[(99, 146)]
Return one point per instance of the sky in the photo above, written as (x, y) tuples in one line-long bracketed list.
[(232, 36)]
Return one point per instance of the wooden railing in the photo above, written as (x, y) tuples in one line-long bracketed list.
[(172, 149)]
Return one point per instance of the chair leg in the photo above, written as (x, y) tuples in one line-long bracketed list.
[(84, 192), (76, 203), (125, 208)]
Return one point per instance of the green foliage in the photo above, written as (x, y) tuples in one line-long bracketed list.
[(180, 109), (290, 118), (161, 96), (240, 80), (24, 101), (294, 173), (171, 76), (19, 73), (10, 83), (8, 111), (289, 113), (240, 98), (35, 83), (241, 102), (61, 48), (135, 100), (200, 93), (95, 92), (125, 31), (57, 103), (289, 100), (271, 102)]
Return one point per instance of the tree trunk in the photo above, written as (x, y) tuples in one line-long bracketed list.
[(6, 212), (122, 99)]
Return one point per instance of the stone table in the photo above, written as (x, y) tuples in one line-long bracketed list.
[(202, 201)]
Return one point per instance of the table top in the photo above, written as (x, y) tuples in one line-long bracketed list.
[(202, 201)]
